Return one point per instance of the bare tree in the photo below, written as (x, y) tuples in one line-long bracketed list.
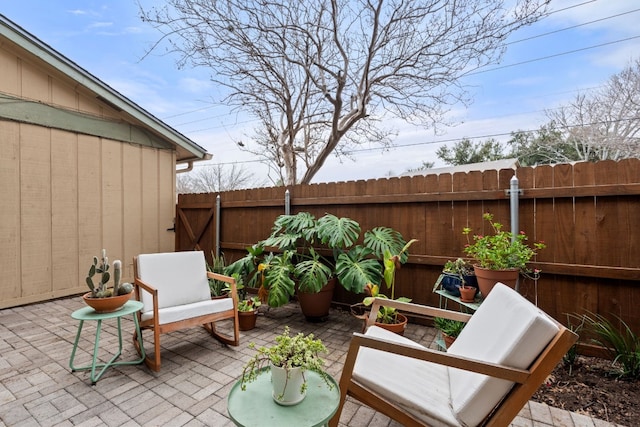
[(321, 75), (215, 178), (603, 124)]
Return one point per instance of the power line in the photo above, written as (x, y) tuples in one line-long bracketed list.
[(571, 27), (552, 56)]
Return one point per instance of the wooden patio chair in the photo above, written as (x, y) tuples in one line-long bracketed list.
[(174, 289), (504, 353)]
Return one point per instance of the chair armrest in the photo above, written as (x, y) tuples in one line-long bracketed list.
[(435, 356), (147, 287), (408, 307), (231, 281)]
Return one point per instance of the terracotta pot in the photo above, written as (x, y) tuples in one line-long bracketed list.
[(448, 340), (247, 320), (106, 305), (488, 278), (315, 305), (468, 293), (398, 328)]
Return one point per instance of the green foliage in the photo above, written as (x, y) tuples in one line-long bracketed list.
[(465, 152), (217, 287), (391, 263), (621, 343), (449, 327), (571, 355), (100, 266), (497, 251), (249, 304), (301, 351), (303, 244)]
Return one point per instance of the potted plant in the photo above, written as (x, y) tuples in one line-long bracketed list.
[(218, 288), (102, 298), (459, 279), (388, 317), (288, 361), (500, 256), (309, 252), (248, 313), (450, 329)]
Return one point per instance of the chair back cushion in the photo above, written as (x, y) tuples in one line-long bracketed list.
[(506, 329), (179, 277)]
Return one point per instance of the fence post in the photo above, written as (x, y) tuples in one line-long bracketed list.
[(217, 226), (287, 202), (514, 192)]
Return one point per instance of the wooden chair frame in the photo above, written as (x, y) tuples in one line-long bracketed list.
[(208, 321), (526, 381)]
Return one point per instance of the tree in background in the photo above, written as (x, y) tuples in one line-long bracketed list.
[(322, 75), (215, 178), (603, 124), (465, 152)]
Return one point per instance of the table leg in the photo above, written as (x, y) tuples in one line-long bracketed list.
[(96, 347), (75, 347)]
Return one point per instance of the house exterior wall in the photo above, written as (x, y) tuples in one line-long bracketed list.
[(65, 195)]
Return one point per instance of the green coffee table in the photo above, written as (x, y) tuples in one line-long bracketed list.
[(256, 407), (88, 313)]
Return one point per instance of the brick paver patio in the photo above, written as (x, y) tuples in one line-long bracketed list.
[(37, 387)]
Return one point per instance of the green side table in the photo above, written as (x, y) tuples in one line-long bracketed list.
[(88, 313), (255, 406)]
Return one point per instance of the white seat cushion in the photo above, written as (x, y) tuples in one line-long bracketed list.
[(189, 311), (179, 277), (507, 330), (421, 388)]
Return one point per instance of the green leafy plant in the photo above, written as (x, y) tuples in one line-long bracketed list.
[(460, 267), (621, 343), (219, 288), (571, 356), (499, 251), (449, 327), (300, 350), (309, 251), (392, 263), (249, 304)]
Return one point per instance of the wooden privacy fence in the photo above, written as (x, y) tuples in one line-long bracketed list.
[(588, 214)]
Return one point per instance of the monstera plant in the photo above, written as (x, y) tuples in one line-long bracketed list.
[(304, 251)]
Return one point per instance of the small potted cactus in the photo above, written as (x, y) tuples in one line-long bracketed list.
[(101, 298)]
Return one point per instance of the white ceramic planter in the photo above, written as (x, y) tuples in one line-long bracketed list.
[(286, 385)]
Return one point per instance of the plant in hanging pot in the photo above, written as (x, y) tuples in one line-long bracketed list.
[(309, 252), (459, 279), (101, 298), (501, 256), (289, 359)]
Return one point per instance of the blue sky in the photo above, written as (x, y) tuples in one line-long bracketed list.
[(538, 72)]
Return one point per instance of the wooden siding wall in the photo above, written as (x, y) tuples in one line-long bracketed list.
[(64, 196), (586, 213), (67, 196)]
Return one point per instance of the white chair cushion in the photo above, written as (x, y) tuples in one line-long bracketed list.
[(420, 388), (179, 277), (507, 330), (189, 311)]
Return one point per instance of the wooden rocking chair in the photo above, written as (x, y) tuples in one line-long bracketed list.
[(174, 289)]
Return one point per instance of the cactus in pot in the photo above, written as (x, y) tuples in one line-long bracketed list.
[(101, 267)]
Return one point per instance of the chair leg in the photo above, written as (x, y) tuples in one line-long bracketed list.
[(152, 363)]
